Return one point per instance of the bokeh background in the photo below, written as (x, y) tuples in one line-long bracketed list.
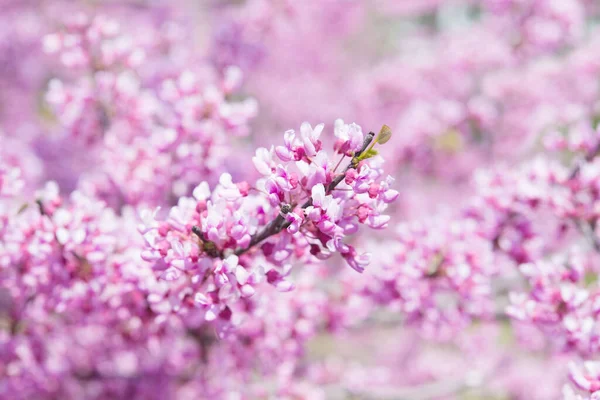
[(482, 287)]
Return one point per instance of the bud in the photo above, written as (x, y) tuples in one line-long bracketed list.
[(350, 176), (373, 190), (384, 134), (244, 188), (286, 208)]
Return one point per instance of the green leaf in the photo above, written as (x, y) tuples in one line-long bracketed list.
[(384, 135), (368, 154), (590, 278)]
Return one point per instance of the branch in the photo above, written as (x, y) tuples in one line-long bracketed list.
[(280, 223), (588, 157), (585, 227)]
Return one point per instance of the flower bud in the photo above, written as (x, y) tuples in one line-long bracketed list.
[(350, 176)]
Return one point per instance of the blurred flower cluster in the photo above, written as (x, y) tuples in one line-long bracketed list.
[(177, 223)]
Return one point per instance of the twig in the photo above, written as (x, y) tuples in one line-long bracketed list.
[(280, 223), (588, 157), (585, 227), (587, 230)]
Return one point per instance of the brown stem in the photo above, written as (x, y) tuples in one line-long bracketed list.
[(280, 223), (588, 157), (585, 227)]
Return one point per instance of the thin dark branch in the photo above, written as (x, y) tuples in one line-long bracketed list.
[(280, 223), (588, 157), (586, 227)]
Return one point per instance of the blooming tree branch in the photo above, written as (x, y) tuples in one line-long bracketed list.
[(169, 258), (280, 223)]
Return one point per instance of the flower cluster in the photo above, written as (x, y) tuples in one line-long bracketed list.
[(154, 133), (159, 239), (440, 276), (560, 303), (584, 377), (541, 24), (219, 246)]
